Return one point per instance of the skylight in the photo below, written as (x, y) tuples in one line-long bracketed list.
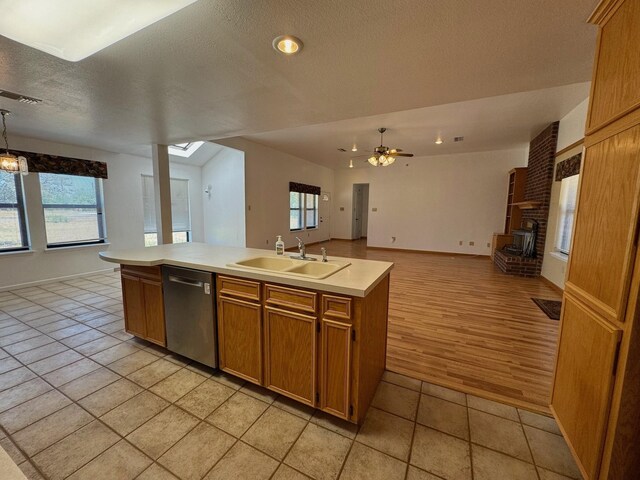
[(184, 149), (75, 29)]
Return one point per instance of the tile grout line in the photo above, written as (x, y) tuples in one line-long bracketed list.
[(526, 439)]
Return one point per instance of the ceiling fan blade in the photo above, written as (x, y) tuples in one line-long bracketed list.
[(402, 154), (395, 150)]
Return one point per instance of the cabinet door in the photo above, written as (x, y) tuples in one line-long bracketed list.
[(605, 226), (290, 354), (240, 338), (153, 311), (583, 381), (335, 368), (132, 298), (616, 81)]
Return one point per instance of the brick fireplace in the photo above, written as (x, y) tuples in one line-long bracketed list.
[(542, 152)]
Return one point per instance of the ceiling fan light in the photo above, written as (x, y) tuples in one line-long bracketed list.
[(390, 160), (373, 160)]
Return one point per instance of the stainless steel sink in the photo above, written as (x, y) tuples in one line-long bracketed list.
[(292, 267)]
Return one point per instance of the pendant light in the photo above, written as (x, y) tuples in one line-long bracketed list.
[(9, 162)]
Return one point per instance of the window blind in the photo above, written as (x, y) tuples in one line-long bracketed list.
[(180, 215), (568, 198)]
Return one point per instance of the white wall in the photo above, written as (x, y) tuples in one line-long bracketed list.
[(268, 173), (572, 126), (123, 215), (571, 130), (224, 208), (432, 203)]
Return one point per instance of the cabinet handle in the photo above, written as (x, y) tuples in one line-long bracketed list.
[(185, 281)]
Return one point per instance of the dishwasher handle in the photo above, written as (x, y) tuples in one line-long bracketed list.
[(186, 281)]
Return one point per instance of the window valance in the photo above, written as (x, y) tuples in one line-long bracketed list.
[(568, 167), (302, 188), (45, 163)]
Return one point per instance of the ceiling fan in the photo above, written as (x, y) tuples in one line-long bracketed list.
[(383, 155)]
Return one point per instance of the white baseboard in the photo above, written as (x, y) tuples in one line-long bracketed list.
[(56, 279)]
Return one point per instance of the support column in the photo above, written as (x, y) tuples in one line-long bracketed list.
[(162, 193)]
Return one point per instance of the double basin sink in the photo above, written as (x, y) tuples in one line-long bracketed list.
[(289, 266)]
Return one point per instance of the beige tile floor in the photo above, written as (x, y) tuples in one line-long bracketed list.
[(81, 399)]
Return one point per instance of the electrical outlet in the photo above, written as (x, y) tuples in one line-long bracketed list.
[(472, 244), (460, 242), (342, 209), (249, 207), (374, 209), (488, 244), (267, 241)]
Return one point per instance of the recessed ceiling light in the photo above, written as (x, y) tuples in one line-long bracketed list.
[(439, 141), (287, 44), (75, 29)]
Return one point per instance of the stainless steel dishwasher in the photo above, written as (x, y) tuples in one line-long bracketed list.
[(189, 298)]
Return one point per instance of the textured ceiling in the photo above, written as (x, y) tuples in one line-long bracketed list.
[(495, 123), (209, 71)]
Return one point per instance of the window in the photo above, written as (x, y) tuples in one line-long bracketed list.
[(13, 225), (180, 212), (568, 197), (303, 210), (73, 212), (184, 149)]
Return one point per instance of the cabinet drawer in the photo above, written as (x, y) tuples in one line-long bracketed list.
[(152, 273), (291, 297), (235, 287), (336, 307)]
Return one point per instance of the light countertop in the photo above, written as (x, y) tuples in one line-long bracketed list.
[(358, 279)]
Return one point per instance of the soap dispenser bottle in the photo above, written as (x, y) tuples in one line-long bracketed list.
[(279, 246)]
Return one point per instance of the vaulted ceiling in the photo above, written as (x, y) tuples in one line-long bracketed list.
[(209, 71)]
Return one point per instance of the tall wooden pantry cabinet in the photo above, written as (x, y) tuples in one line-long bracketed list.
[(596, 392)]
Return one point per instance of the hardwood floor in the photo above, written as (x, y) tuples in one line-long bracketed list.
[(459, 322)]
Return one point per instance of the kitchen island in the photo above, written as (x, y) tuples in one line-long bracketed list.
[(320, 341)]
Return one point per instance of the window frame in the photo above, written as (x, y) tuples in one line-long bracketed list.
[(99, 206), (22, 216), (303, 211)]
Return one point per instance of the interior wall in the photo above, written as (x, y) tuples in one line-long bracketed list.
[(571, 130), (224, 207), (267, 176), (572, 125), (342, 224), (365, 209), (432, 203), (123, 215)]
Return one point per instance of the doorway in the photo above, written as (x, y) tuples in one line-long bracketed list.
[(360, 211)]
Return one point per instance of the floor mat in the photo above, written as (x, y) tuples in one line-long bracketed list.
[(550, 307)]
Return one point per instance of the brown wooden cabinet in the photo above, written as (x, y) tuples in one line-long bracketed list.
[(143, 303), (290, 354), (305, 344), (240, 328), (596, 393), (515, 194)]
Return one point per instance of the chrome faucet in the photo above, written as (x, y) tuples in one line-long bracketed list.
[(302, 248), (324, 254)]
